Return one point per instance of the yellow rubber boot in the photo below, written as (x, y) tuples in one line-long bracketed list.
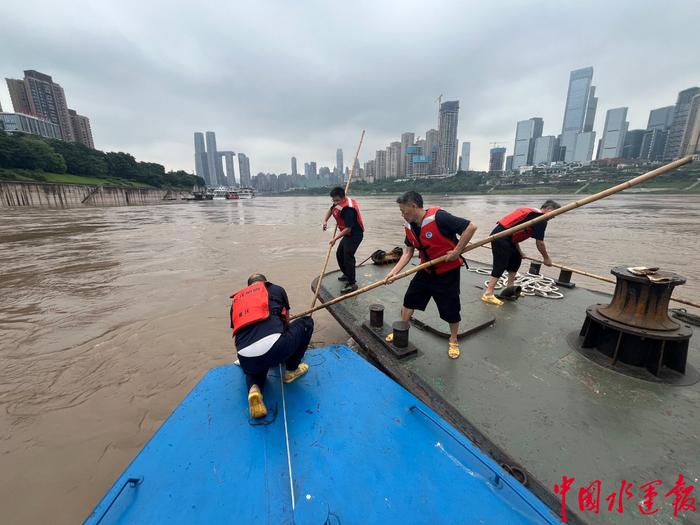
[(453, 350), (256, 405), (491, 299), (293, 375)]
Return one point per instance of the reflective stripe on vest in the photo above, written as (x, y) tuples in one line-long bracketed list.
[(432, 243), (250, 305), (347, 203), (516, 217)]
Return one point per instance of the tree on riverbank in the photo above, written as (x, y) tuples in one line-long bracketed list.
[(41, 156)]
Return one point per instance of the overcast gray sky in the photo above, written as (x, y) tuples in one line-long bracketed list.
[(300, 78)]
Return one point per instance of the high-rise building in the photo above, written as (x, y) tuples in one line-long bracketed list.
[(42, 98), (661, 118), (691, 138), (369, 172), (583, 149), (201, 164), (294, 166), (312, 170), (432, 145), (526, 131), (614, 134), (229, 179), (509, 163), (545, 150), (680, 121), (579, 112), (496, 159), (407, 139), (633, 143), (244, 169), (447, 137), (339, 160), (19, 96), (464, 162), (380, 165), (216, 171), (590, 110), (393, 163), (654, 140), (81, 129)]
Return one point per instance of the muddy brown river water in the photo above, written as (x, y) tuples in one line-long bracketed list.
[(109, 316)]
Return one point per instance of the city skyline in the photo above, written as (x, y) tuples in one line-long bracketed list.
[(136, 72)]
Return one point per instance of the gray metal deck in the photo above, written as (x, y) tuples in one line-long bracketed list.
[(523, 393)]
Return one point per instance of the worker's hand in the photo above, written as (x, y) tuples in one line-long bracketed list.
[(389, 277), (332, 241), (452, 255), (325, 225), (547, 261)]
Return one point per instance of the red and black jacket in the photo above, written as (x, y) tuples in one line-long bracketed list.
[(432, 244)]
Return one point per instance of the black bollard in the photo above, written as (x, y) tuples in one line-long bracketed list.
[(376, 315), (564, 279), (400, 334), (535, 268)]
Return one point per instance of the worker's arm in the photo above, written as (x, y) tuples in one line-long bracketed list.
[(326, 217), (464, 238), (343, 233), (405, 258), (543, 250)]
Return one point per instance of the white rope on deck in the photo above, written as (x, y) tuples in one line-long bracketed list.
[(532, 284), (286, 436)]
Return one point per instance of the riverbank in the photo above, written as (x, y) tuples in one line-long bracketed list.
[(682, 181), (45, 195)]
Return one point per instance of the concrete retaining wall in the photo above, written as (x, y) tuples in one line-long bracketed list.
[(41, 195)]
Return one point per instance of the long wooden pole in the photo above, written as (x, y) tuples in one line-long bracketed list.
[(330, 246), (510, 231)]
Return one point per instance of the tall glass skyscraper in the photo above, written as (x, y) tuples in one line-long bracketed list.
[(526, 132), (614, 134), (447, 130), (201, 163), (579, 112)]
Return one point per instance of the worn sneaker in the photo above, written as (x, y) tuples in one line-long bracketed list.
[(343, 278), (491, 299), (292, 375), (256, 405), (350, 287)]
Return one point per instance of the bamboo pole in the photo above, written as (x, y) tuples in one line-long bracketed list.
[(510, 231), (330, 246)]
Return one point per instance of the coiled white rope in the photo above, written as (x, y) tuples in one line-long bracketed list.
[(531, 284)]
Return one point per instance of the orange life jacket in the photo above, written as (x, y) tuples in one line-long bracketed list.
[(250, 305), (347, 202), (516, 217), (432, 244)]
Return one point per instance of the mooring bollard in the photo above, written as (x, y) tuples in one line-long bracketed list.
[(400, 334), (564, 279), (376, 315), (535, 268)]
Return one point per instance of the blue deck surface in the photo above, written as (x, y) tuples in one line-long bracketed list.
[(362, 450)]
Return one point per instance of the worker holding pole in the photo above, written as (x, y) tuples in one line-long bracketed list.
[(433, 232)]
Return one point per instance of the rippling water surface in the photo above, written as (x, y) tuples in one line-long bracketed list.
[(108, 316)]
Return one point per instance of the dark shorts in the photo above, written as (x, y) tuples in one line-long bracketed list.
[(506, 256), (443, 288)]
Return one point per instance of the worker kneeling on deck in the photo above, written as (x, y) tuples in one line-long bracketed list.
[(265, 337), (433, 232), (506, 250), (346, 213)]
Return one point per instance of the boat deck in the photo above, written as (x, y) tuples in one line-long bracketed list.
[(527, 397), (343, 444)]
